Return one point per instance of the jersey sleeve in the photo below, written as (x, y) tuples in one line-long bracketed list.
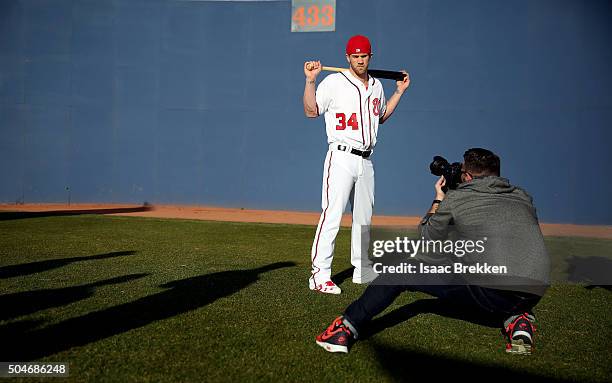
[(323, 95), (383, 103)]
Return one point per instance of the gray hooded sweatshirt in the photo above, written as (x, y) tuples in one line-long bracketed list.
[(502, 217)]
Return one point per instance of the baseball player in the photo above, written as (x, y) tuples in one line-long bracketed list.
[(354, 105)]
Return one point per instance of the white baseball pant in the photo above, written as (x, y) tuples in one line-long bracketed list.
[(346, 177)]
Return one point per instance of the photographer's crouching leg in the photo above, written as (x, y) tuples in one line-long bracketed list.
[(519, 326), (344, 330), (515, 309), (520, 329)]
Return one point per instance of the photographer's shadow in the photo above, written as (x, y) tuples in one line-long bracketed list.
[(403, 364), (181, 296), (437, 306)]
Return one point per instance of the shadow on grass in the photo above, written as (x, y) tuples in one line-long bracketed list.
[(40, 266), (342, 276), (10, 215), (596, 271), (605, 287), (24, 303), (182, 296), (21, 326), (431, 306), (405, 364)]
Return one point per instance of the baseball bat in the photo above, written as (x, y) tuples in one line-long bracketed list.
[(388, 74)]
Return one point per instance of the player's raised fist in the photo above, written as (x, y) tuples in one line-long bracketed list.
[(402, 85), (312, 69)]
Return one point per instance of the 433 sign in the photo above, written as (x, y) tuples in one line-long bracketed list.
[(313, 15)]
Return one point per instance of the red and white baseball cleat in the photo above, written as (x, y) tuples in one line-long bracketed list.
[(328, 287)]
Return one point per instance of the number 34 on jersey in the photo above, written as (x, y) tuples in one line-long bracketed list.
[(352, 120), (342, 122)]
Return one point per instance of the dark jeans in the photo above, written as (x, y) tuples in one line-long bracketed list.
[(376, 298)]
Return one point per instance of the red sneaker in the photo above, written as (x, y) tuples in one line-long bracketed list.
[(520, 335), (336, 338)]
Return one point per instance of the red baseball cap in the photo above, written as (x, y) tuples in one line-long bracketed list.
[(358, 44)]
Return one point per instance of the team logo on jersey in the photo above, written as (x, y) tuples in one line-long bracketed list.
[(376, 106)]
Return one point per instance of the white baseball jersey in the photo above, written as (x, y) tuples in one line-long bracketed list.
[(352, 112)]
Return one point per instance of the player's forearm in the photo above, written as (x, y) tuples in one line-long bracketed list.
[(392, 103), (310, 100)]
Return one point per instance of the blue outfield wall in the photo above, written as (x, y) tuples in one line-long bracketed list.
[(195, 102)]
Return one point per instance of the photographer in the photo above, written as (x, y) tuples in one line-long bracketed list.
[(483, 205)]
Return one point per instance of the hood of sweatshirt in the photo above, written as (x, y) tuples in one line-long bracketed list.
[(489, 185)]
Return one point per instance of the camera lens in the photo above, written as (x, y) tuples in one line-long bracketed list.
[(438, 166)]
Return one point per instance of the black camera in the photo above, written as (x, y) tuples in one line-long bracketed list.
[(451, 172)]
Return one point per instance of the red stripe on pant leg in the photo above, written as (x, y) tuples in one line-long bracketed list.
[(331, 154)]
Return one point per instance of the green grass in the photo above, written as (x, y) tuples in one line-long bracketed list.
[(178, 300)]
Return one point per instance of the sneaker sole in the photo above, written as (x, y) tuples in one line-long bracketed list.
[(519, 347), (333, 347), (327, 292)]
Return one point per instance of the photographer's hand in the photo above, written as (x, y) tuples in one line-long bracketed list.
[(439, 195), (438, 186)]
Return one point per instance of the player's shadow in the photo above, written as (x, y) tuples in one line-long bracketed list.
[(20, 326), (404, 364), (11, 215), (181, 296), (594, 271), (24, 303), (40, 266), (436, 306)]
